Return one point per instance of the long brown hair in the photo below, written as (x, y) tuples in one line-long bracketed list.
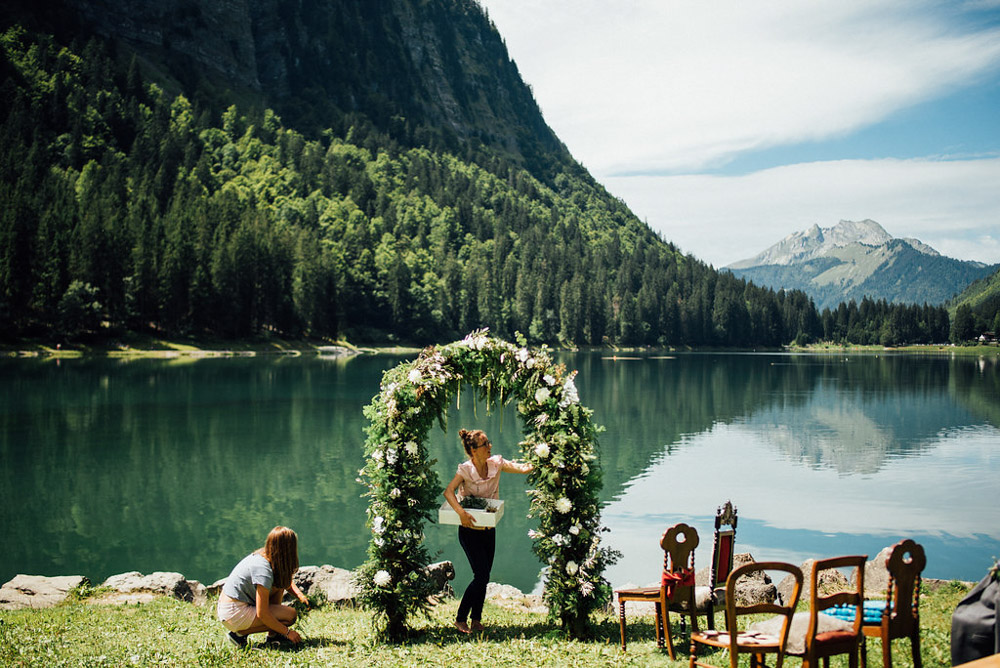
[(472, 439), (281, 549)]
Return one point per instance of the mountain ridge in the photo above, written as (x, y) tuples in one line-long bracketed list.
[(857, 259), (817, 242)]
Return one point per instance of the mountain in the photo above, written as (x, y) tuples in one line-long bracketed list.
[(376, 171), (433, 74), (855, 259)]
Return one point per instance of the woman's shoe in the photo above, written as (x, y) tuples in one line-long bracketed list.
[(237, 639), (276, 641), (463, 627), (477, 625)]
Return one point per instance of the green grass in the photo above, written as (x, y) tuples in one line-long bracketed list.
[(979, 350), (167, 632)]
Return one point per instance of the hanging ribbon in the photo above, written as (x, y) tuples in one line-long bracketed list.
[(673, 579)]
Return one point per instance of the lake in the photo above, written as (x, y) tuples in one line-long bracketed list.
[(185, 464)]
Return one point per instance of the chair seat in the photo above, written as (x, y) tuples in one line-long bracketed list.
[(796, 644), (639, 594), (758, 641), (833, 637), (703, 597)]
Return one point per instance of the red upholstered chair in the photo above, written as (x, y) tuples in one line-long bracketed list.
[(822, 644), (902, 619), (676, 590), (723, 551)]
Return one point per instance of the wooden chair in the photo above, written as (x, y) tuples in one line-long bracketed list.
[(902, 618), (723, 551), (676, 590), (820, 644), (757, 645)]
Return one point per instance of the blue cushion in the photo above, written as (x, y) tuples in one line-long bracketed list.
[(873, 611)]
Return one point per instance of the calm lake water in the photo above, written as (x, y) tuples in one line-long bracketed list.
[(184, 465)]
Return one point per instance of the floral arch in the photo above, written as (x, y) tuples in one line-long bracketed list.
[(404, 490)]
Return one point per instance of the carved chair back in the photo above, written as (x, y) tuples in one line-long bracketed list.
[(905, 563), (724, 545)]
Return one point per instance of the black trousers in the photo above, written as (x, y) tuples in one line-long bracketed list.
[(480, 545)]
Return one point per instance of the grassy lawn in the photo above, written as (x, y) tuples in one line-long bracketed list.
[(86, 632)]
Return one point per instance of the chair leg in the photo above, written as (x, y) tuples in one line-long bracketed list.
[(915, 647), (621, 620), (666, 631), (886, 652), (711, 617), (658, 625), (864, 651)]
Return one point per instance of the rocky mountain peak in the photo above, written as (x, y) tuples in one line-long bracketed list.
[(857, 259), (817, 242)]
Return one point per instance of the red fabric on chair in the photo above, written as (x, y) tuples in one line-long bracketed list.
[(672, 580)]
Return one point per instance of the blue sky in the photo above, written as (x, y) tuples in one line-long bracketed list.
[(728, 125)]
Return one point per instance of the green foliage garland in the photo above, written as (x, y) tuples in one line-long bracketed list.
[(404, 491)]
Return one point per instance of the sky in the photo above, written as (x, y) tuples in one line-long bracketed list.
[(728, 125)]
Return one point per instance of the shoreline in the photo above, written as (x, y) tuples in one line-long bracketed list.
[(148, 347)]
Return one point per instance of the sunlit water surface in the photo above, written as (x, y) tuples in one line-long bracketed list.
[(168, 465)]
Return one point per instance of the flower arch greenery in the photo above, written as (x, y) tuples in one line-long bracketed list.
[(404, 491)]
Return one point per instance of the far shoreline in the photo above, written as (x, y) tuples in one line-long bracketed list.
[(134, 346)]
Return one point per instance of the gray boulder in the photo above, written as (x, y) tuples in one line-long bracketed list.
[(829, 581), (756, 588), (335, 584), (511, 597), (137, 587), (38, 591), (442, 573), (877, 575)]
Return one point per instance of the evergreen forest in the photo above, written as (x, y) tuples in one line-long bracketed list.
[(128, 208)]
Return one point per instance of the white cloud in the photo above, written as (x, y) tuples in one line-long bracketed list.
[(954, 206), (651, 85), (676, 87)]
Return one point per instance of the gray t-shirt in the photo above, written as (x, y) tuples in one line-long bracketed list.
[(242, 583)]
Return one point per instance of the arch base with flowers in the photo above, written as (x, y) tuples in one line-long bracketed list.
[(404, 491)]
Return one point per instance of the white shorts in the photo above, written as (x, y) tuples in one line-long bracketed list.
[(235, 615)]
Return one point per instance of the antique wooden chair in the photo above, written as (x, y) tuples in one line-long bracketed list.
[(723, 551), (756, 644), (821, 643), (902, 618), (676, 590)]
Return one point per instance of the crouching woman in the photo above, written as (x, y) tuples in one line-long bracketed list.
[(250, 601)]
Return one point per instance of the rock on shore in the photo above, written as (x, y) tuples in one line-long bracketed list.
[(38, 591), (335, 585)]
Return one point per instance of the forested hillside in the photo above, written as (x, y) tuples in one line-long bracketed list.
[(134, 201), (977, 309)]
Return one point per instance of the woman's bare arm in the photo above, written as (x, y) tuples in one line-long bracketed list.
[(464, 516)]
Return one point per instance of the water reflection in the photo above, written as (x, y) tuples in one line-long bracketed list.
[(836, 461), (184, 465)]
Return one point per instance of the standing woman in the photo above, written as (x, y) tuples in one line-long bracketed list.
[(250, 601), (479, 476)]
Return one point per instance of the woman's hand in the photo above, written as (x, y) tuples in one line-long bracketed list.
[(294, 636), (468, 521)]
